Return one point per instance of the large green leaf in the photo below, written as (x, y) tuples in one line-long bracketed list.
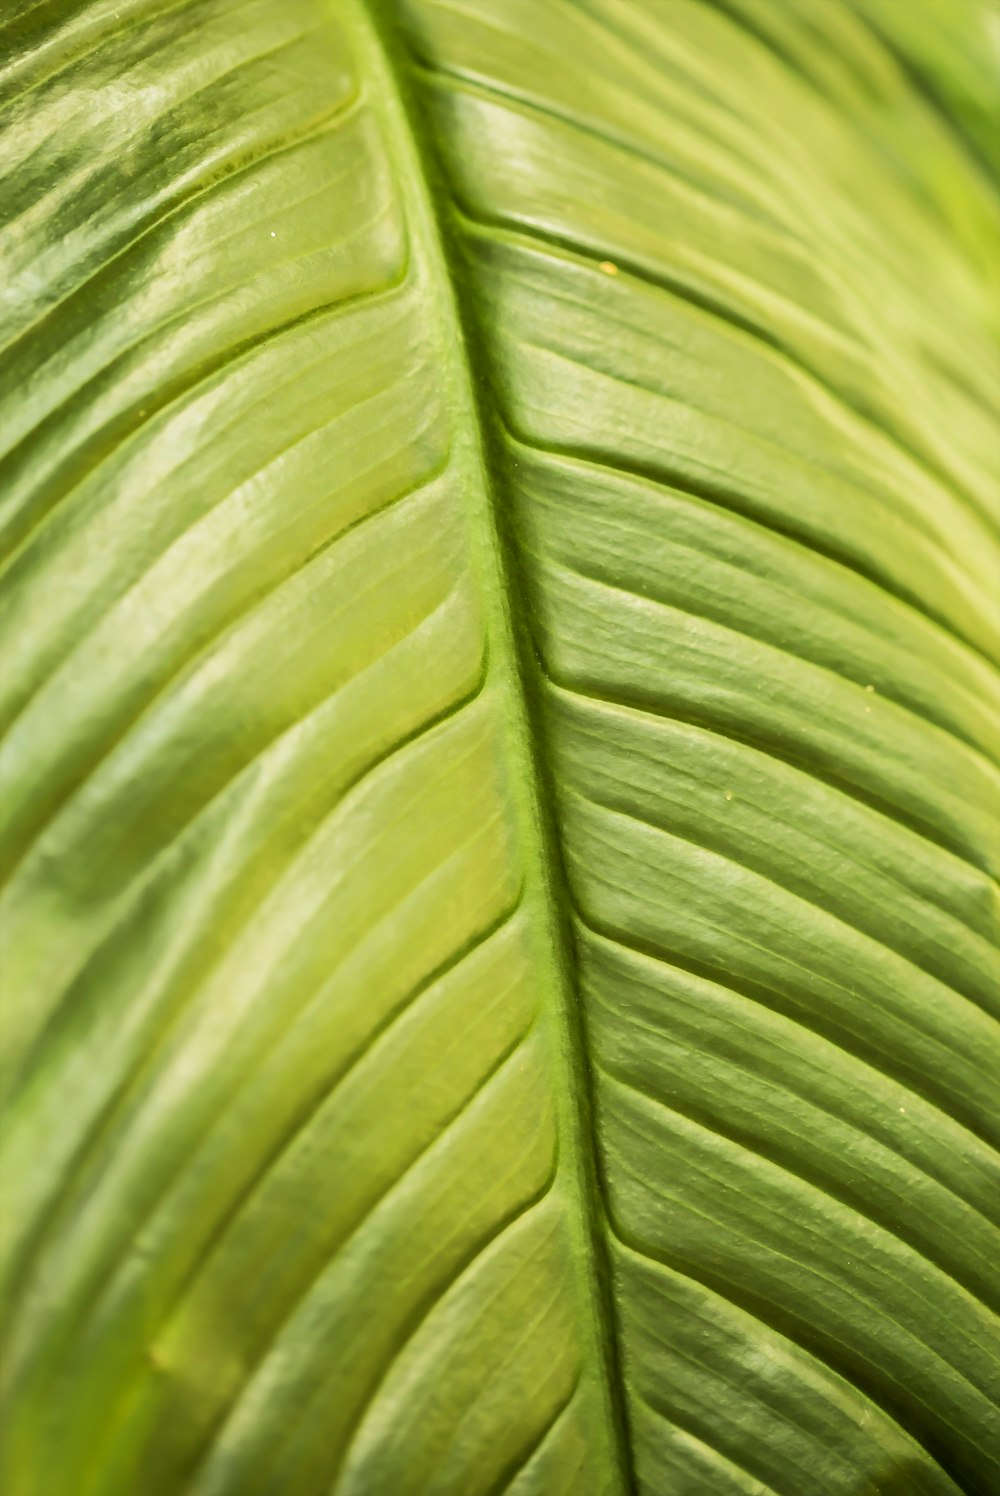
[(499, 590)]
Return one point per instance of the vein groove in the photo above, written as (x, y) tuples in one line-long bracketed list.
[(90, 1140), (537, 1443), (590, 691), (533, 1203), (724, 979), (825, 1190), (201, 651), (324, 1094), (939, 1180), (732, 1294), (731, 1297), (593, 575), (96, 449), (723, 497), (194, 197), (791, 893), (687, 1427), (496, 1232), (526, 232)]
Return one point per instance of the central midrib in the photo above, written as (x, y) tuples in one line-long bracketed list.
[(422, 185)]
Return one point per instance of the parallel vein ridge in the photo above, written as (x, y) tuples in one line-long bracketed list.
[(499, 547), (695, 249)]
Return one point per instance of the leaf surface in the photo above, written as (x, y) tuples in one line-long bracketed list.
[(499, 593)]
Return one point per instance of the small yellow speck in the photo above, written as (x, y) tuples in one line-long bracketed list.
[(867, 708), (609, 268), (869, 688), (729, 794), (273, 234)]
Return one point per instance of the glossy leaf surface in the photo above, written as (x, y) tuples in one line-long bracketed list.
[(499, 601)]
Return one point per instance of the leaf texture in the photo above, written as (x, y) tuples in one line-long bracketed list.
[(499, 594)]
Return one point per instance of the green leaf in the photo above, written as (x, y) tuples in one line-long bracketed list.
[(499, 600)]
